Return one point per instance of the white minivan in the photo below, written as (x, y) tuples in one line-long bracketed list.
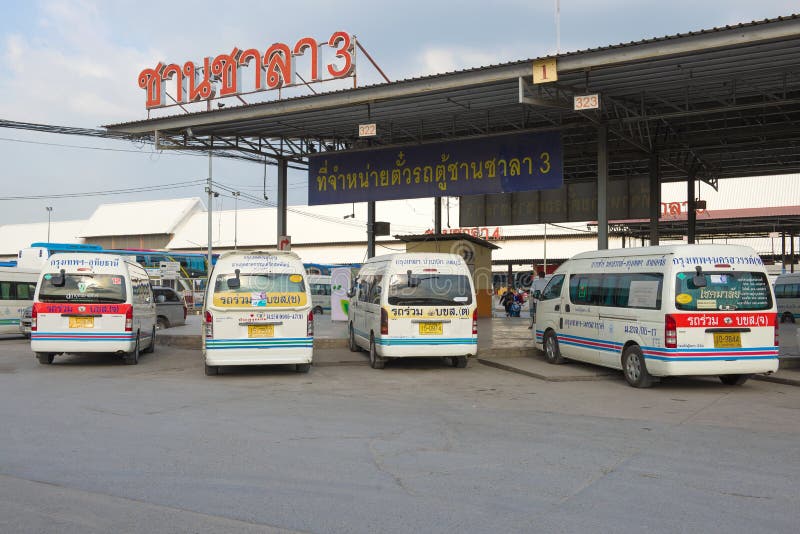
[(414, 305), (320, 285), (662, 311), (787, 297), (17, 287), (92, 302), (257, 311)]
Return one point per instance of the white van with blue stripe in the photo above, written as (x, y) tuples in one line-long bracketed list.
[(414, 305), (257, 311), (662, 311)]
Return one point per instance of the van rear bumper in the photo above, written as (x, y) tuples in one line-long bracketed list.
[(739, 366), (57, 343), (274, 352), (421, 348)]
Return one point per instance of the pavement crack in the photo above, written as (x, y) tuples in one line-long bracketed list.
[(377, 461)]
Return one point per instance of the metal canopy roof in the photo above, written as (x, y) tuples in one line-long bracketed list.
[(750, 222), (715, 103)]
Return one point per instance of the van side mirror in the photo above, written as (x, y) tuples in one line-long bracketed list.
[(537, 294), (59, 279), (234, 283)]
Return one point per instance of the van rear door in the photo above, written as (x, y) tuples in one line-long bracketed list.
[(729, 311)]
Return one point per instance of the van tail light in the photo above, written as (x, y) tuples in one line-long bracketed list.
[(384, 322), (129, 319), (310, 324), (475, 322), (670, 332), (209, 321), (34, 315), (776, 334)]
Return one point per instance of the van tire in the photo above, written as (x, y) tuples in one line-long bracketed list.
[(302, 367), (162, 323), (459, 362), (351, 341), (733, 380), (152, 347), (45, 358), (551, 351), (318, 310), (132, 358), (787, 317), (635, 369), (375, 361), (212, 370)]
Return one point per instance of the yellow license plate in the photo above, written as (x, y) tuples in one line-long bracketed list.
[(430, 329), (81, 322), (260, 330), (727, 340)]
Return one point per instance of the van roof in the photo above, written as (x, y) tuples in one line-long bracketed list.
[(412, 255), (239, 253), (678, 250)]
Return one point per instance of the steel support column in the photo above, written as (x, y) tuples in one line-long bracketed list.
[(602, 187), (655, 198), (283, 166), (370, 229), (437, 216), (783, 252), (691, 215), (791, 252)]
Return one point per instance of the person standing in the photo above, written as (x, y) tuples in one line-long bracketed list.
[(538, 285), (507, 299)]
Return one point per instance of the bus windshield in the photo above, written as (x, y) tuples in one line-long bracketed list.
[(724, 291), (430, 289), (84, 287)]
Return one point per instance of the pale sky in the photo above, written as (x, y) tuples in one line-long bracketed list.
[(75, 63)]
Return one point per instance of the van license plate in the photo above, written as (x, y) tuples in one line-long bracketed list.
[(260, 330), (727, 340), (430, 329), (81, 322)]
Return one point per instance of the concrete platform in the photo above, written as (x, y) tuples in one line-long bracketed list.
[(503, 342)]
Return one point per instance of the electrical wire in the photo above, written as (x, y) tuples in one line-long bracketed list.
[(143, 189)]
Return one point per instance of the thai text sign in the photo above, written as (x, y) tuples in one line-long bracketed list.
[(273, 69), (516, 162)]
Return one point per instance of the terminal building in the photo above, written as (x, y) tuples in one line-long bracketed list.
[(337, 233)]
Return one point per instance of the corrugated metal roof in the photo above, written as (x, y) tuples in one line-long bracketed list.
[(140, 218)]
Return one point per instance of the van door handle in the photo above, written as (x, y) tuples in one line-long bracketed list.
[(561, 323), (566, 308)]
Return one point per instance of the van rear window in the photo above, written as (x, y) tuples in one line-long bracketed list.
[(83, 287), (725, 290), (424, 289), (260, 290)]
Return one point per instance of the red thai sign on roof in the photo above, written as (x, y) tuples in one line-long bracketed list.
[(273, 69)]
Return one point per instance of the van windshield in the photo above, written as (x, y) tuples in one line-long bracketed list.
[(723, 291), (83, 287), (430, 289)]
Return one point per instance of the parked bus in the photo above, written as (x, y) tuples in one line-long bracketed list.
[(17, 287), (787, 297), (662, 311)]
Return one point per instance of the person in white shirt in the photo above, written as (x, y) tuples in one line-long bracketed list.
[(538, 285)]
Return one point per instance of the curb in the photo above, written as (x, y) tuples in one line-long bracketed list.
[(777, 380), (546, 378), (196, 342)]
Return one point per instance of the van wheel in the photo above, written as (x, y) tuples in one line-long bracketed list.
[(459, 362), (551, 351), (787, 317), (302, 367), (45, 358), (152, 347), (162, 323), (132, 358), (375, 361), (634, 368), (733, 380), (212, 370), (351, 342), (318, 310)]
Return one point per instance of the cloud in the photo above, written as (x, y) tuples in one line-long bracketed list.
[(436, 60)]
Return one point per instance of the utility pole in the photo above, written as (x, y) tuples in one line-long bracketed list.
[(235, 219), (49, 211), (210, 192)]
